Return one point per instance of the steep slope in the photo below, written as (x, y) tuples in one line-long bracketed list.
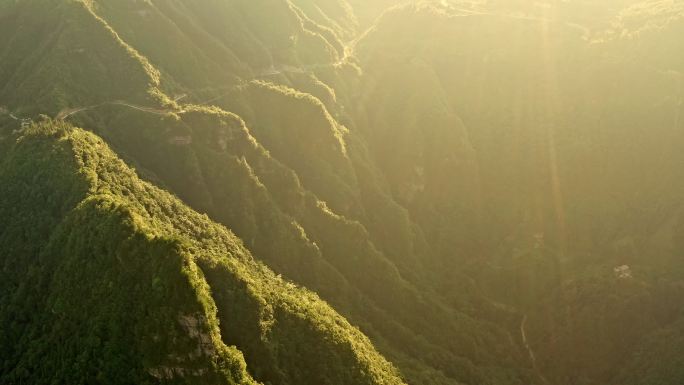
[(42, 59), (550, 122), (458, 168), (576, 166), (320, 215), (132, 286)]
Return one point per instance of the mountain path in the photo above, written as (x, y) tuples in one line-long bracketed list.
[(530, 352), (67, 112)]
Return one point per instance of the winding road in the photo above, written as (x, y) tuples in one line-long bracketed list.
[(348, 49), (71, 111)]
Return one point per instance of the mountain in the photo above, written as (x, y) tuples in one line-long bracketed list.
[(575, 192), (106, 278), (489, 190), (293, 181)]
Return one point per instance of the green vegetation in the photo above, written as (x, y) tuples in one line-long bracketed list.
[(489, 190), (107, 279)]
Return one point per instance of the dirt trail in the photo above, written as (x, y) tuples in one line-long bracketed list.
[(533, 358), (65, 113)]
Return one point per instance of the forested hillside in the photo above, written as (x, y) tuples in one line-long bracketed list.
[(109, 279), (490, 191)]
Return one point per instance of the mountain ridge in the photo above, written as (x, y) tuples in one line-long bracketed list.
[(212, 260), (457, 168)]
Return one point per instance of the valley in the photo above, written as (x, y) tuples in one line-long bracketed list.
[(341, 192)]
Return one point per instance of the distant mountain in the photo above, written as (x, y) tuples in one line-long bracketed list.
[(569, 168)]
